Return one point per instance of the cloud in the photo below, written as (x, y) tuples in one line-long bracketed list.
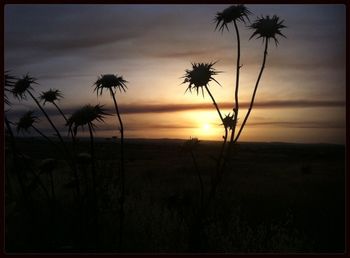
[(304, 124), (166, 108)]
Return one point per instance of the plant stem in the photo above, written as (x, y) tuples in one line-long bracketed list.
[(235, 112), (49, 120), (214, 102), (43, 135), (255, 89), (72, 163), (238, 67), (59, 110), (122, 195), (226, 132)]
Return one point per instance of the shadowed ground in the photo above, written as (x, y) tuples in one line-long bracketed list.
[(275, 197)]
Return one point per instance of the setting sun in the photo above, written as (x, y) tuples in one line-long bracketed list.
[(206, 127)]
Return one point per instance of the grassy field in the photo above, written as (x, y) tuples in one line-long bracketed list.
[(275, 197)]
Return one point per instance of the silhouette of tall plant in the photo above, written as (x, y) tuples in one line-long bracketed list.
[(52, 96), (199, 78), (87, 115), (27, 121), (19, 90), (112, 83), (266, 28), (22, 87), (234, 13)]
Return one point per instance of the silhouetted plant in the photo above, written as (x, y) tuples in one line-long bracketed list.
[(233, 14), (111, 83), (27, 121), (22, 87), (52, 96), (87, 115), (266, 28), (199, 78)]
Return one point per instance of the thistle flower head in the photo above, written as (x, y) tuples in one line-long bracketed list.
[(190, 145), (229, 121), (233, 13), (22, 85), (51, 96), (26, 121), (200, 75), (110, 82), (267, 28), (85, 116)]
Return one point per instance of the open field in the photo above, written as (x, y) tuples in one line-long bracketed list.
[(275, 197)]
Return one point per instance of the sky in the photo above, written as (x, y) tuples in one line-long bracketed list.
[(301, 96)]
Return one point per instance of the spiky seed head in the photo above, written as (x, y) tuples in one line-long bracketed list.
[(229, 121), (233, 13), (268, 28), (110, 82), (86, 116), (22, 85), (51, 95), (200, 75), (26, 121)]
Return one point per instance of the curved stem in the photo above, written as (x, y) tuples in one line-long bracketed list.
[(122, 172), (59, 110), (255, 89), (238, 67), (214, 102), (43, 135), (235, 108), (222, 120), (48, 119)]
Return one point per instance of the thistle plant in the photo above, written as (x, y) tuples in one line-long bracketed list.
[(234, 13), (199, 78), (266, 28), (87, 116), (52, 96), (22, 87), (27, 122), (112, 83), (19, 90)]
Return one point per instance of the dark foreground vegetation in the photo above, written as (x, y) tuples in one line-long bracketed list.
[(275, 197)]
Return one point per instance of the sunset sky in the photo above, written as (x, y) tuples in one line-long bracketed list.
[(301, 96)]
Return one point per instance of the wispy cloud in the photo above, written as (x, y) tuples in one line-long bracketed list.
[(303, 124), (166, 108), (161, 108)]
